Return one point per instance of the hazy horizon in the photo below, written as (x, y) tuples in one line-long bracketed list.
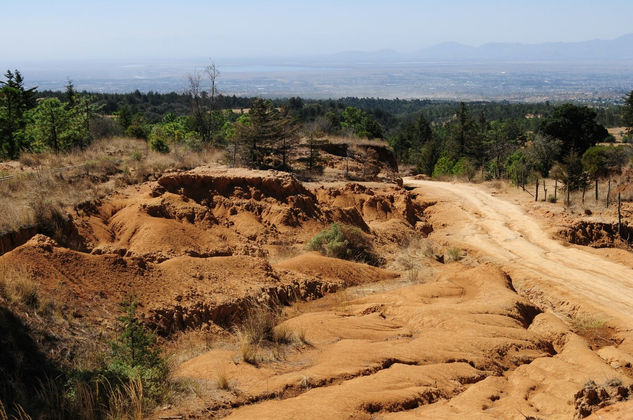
[(70, 30)]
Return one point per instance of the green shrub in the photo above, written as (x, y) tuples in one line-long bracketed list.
[(465, 167), (345, 242), (134, 355), (443, 167), (158, 144)]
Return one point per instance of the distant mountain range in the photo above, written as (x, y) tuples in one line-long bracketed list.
[(619, 50)]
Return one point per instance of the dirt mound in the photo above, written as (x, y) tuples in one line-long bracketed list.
[(349, 273), (597, 234)]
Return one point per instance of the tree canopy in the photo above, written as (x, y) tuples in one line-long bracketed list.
[(575, 126)]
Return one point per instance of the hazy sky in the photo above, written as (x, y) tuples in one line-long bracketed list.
[(85, 29)]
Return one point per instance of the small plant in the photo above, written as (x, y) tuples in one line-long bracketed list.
[(301, 336), (455, 254), (551, 198), (345, 242), (136, 156), (260, 337), (282, 335), (223, 381)]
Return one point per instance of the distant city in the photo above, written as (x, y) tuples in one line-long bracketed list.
[(590, 71)]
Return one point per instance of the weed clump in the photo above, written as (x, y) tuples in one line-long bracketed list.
[(344, 242), (261, 339)]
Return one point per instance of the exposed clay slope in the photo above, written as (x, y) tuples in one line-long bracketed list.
[(218, 212), (389, 352), (193, 245)]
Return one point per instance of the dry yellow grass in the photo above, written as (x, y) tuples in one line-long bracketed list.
[(42, 181)]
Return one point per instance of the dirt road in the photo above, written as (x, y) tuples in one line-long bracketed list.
[(568, 279)]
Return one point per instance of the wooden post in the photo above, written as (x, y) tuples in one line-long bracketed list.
[(555, 190), (619, 216), (608, 191), (568, 201), (544, 191), (584, 188), (536, 195), (596, 189)]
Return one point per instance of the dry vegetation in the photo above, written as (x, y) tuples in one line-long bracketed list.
[(40, 187)]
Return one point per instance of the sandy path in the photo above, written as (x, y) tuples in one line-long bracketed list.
[(510, 237)]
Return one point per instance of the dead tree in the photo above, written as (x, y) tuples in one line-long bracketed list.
[(212, 73), (197, 107)]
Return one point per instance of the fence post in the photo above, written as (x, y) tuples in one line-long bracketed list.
[(619, 216), (536, 195)]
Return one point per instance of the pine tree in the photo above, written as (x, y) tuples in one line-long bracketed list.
[(15, 101), (268, 138)]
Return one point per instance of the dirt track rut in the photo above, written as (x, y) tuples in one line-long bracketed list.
[(507, 235)]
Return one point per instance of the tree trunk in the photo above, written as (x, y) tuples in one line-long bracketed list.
[(608, 191), (596, 189), (555, 190)]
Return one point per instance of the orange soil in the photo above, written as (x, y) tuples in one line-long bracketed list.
[(516, 329)]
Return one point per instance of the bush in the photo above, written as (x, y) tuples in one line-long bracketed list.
[(344, 242), (465, 167), (443, 167), (158, 144)]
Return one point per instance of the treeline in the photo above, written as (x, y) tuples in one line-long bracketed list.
[(499, 139)]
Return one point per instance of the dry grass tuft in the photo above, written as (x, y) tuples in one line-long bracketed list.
[(223, 381), (17, 286), (261, 339)]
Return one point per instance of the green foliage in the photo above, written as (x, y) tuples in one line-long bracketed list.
[(594, 160), (575, 126), (517, 167), (465, 167), (54, 126), (361, 123), (267, 137), (138, 128), (15, 101), (344, 242), (411, 138), (443, 167), (172, 130), (158, 144), (541, 152), (575, 177), (134, 355)]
